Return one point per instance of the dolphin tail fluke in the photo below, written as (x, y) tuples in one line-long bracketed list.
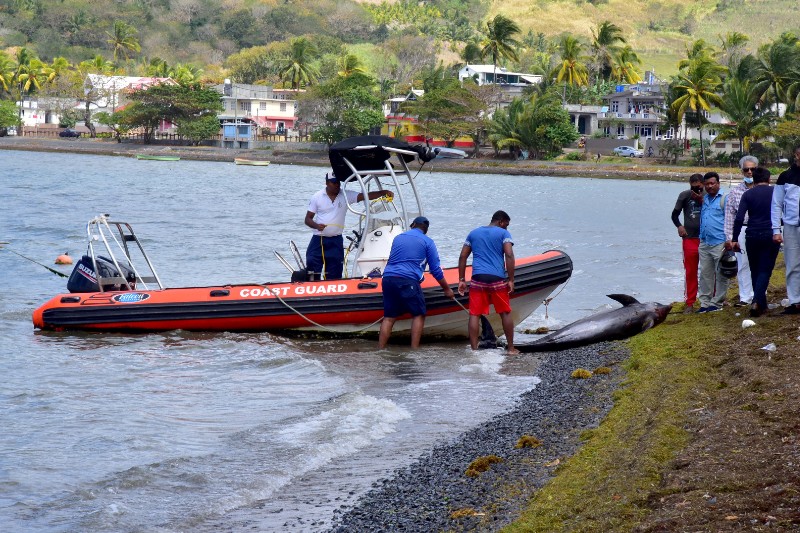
[(624, 299)]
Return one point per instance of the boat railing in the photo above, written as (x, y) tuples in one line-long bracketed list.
[(396, 211), (103, 233)]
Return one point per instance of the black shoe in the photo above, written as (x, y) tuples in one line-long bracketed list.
[(741, 304), (793, 309), (755, 310)]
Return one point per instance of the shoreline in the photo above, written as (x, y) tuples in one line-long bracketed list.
[(435, 494), (636, 169)]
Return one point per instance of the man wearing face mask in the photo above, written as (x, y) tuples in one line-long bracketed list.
[(689, 203), (747, 164)]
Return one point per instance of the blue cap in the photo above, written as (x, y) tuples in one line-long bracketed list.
[(332, 178), (419, 221)]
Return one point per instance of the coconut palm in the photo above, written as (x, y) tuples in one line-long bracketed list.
[(471, 53), (297, 68), (777, 71), (572, 70), (696, 90), (30, 73), (350, 64), (699, 50), (97, 65), (6, 70), (123, 39), (624, 66), (733, 49), (607, 39), (740, 104), (499, 42)]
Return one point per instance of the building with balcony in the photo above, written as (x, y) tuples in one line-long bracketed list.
[(510, 84)]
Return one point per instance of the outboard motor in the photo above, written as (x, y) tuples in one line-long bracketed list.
[(84, 278)]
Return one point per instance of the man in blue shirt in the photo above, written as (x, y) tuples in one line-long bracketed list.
[(402, 277), (492, 250), (712, 285)]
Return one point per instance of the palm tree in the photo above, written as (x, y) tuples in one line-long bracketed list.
[(776, 69), (123, 39), (97, 65), (623, 67), (471, 53), (740, 104), (350, 64), (696, 90), (6, 70), (572, 70), (606, 42), (699, 50), (503, 128), (499, 41), (733, 49), (297, 68)]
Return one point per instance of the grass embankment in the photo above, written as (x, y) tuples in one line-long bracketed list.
[(702, 433)]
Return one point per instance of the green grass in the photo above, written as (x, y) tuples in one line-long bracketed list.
[(604, 486)]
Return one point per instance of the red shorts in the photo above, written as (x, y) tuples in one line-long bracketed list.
[(483, 294)]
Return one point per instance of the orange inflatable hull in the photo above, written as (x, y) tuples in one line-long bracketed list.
[(348, 306)]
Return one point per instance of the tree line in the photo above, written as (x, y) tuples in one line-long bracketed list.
[(342, 89)]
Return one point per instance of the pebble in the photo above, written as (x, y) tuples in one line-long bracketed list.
[(420, 498)]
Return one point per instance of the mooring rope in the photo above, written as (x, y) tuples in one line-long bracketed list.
[(326, 328)]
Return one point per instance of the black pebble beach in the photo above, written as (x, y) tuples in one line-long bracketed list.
[(423, 496)]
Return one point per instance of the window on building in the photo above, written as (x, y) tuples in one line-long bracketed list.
[(244, 106), (614, 106), (283, 107), (621, 129), (262, 106), (646, 131), (607, 130)]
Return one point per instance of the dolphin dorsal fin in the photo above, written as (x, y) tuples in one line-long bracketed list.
[(624, 299)]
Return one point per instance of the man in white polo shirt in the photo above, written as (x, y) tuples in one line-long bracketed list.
[(326, 213)]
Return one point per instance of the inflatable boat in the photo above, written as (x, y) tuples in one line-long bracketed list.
[(115, 287)]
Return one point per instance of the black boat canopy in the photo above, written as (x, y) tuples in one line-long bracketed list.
[(372, 159)]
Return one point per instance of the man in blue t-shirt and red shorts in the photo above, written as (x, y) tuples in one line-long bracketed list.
[(492, 281)]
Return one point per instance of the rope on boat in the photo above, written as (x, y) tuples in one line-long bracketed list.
[(547, 301), (326, 328)]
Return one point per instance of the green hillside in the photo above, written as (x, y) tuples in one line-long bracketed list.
[(658, 30), (205, 33)]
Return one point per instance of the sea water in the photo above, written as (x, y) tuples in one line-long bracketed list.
[(181, 431)]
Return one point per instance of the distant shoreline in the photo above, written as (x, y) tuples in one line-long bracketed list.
[(636, 169)]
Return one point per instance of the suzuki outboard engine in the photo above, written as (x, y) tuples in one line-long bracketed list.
[(84, 278)]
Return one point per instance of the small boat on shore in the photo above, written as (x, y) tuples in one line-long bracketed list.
[(114, 287), (252, 162), (156, 157)]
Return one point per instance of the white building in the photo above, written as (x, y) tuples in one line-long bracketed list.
[(510, 83)]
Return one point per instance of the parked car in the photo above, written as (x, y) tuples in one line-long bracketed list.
[(69, 132), (628, 151)]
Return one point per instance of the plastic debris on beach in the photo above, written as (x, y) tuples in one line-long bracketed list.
[(747, 324), (770, 347)]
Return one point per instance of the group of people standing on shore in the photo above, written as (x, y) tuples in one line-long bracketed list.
[(491, 247), (749, 223)]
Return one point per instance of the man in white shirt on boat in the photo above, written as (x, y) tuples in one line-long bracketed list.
[(327, 210)]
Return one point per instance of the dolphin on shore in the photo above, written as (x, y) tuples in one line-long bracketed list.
[(631, 319)]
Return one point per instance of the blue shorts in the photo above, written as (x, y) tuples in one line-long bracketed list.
[(402, 295)]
